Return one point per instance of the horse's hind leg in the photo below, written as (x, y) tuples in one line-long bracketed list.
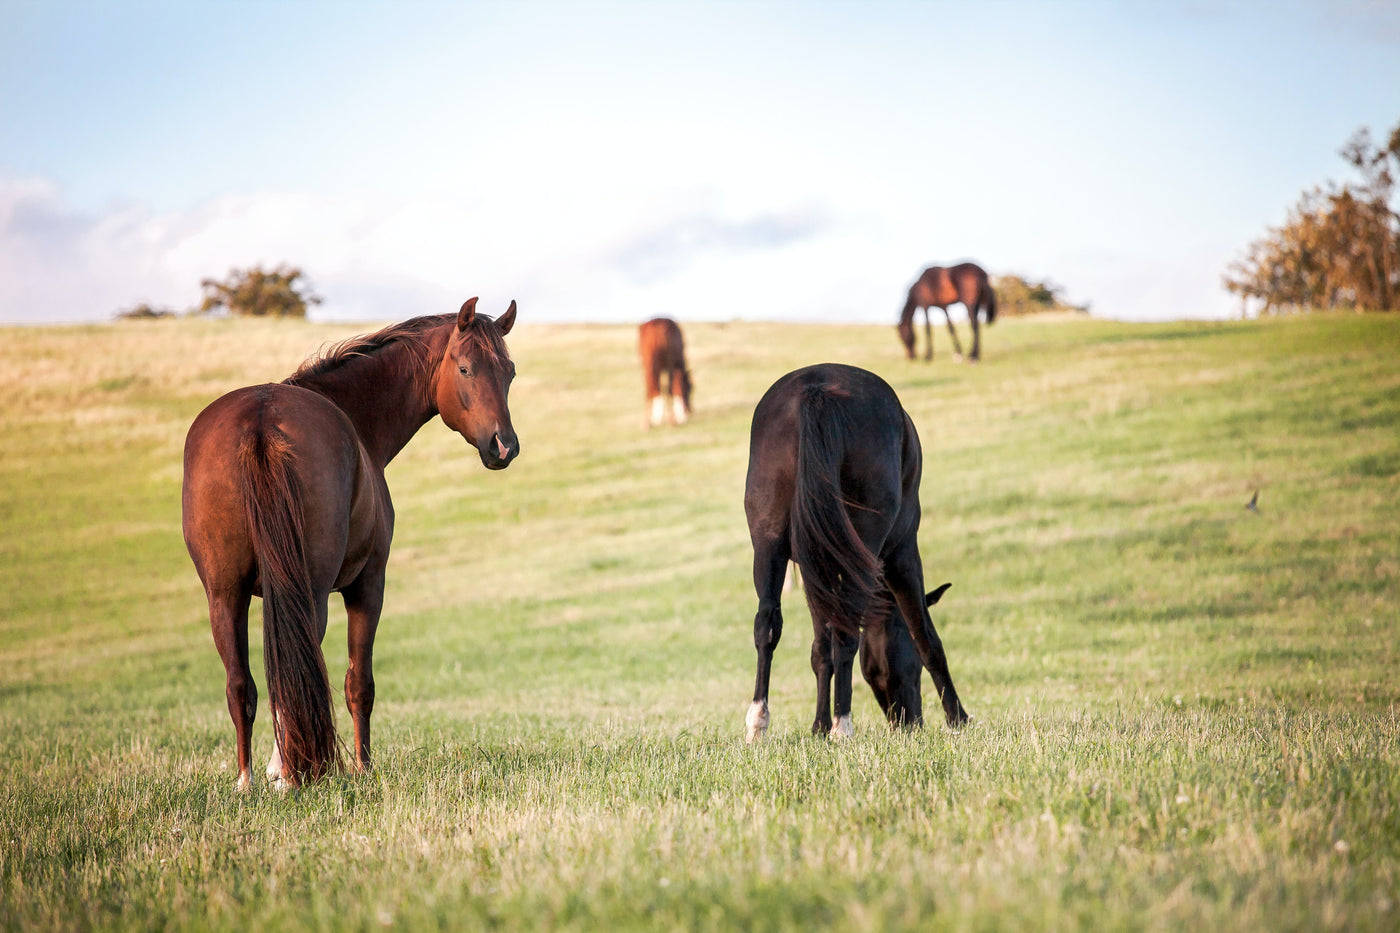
[(363, 601), (843, 655), (976, 332), (822, 669), (228, 619), (677, 389), (770, 558), (656, 402)]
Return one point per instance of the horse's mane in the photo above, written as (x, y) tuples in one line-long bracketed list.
[(411, 333)]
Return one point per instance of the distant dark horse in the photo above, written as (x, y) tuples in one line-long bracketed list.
[(663, 355), (938, 288), (284, 498), (833, 484)]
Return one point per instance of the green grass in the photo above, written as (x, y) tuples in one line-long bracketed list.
[(1187, 714)]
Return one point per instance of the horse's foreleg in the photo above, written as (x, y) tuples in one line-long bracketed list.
[(953, 333), (363, 601), (770, 560), (906, 580), (228, 619), (928, 334), (843, 655)]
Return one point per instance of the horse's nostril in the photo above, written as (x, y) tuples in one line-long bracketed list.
[(501, 446)]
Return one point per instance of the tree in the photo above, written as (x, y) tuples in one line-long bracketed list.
[(256, 293), (143, 311), (1340, 245), (1017, 295)]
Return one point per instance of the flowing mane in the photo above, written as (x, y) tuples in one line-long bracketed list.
[(336, 355)]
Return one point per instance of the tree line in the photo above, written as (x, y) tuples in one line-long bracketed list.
[(255, 292), (1340, 244)]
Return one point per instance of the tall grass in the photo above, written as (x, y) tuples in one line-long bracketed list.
[(1186, 712)]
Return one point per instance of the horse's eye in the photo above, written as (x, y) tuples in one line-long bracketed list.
[(464, 369)]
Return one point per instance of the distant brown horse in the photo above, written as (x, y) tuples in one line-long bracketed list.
[(284, 498), (833, 484), (938, 288), (663, 356)]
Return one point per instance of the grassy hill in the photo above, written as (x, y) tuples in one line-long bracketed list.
[(1186, 712)]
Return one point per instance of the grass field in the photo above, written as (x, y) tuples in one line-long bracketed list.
[(1187, 714)]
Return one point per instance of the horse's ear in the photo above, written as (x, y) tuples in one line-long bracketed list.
[(936, 595), (465, 316), (506, 321)]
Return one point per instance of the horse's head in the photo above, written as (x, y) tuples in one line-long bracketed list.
[(906, 335), (472, 383)]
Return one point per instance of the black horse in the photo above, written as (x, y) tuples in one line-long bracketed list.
[(833, 484)]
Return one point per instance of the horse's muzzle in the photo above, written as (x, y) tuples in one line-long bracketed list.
[(499, 452)]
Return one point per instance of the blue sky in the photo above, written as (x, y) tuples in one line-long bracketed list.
[(616, 161)]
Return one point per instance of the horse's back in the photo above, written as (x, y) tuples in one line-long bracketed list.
[(324, 456)]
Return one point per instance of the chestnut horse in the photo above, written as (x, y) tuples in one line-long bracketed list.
[(284, 498), (663, 354), (938, 288), (833, 484)]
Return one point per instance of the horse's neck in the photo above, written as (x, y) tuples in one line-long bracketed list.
[(387, 395)]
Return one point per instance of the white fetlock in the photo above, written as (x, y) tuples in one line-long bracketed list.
[(841, 729), (245, 782), (756, 722), (678, 408), (658, 410), (274, 764)]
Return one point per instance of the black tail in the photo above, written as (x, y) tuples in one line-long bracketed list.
[(297, 683), (989, 297), (843, 579)]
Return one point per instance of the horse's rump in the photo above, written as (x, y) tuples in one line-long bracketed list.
[(844, 578)]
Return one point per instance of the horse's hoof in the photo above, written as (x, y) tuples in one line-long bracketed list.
[(841, 730), (756, 722), (244, 783)]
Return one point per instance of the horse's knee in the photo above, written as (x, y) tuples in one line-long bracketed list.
[(242, 696), (359, 691), (767, 625)]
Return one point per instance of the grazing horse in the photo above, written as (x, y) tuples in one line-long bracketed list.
[(833, 484), (284, 498), (663, 354), (938, 288)]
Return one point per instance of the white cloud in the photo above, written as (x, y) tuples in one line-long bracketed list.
[(607, 253)]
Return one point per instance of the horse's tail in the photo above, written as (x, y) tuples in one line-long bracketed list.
[(298, 687), (843, 578), (989, 298)]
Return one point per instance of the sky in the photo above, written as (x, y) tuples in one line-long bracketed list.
[(615, 161)]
